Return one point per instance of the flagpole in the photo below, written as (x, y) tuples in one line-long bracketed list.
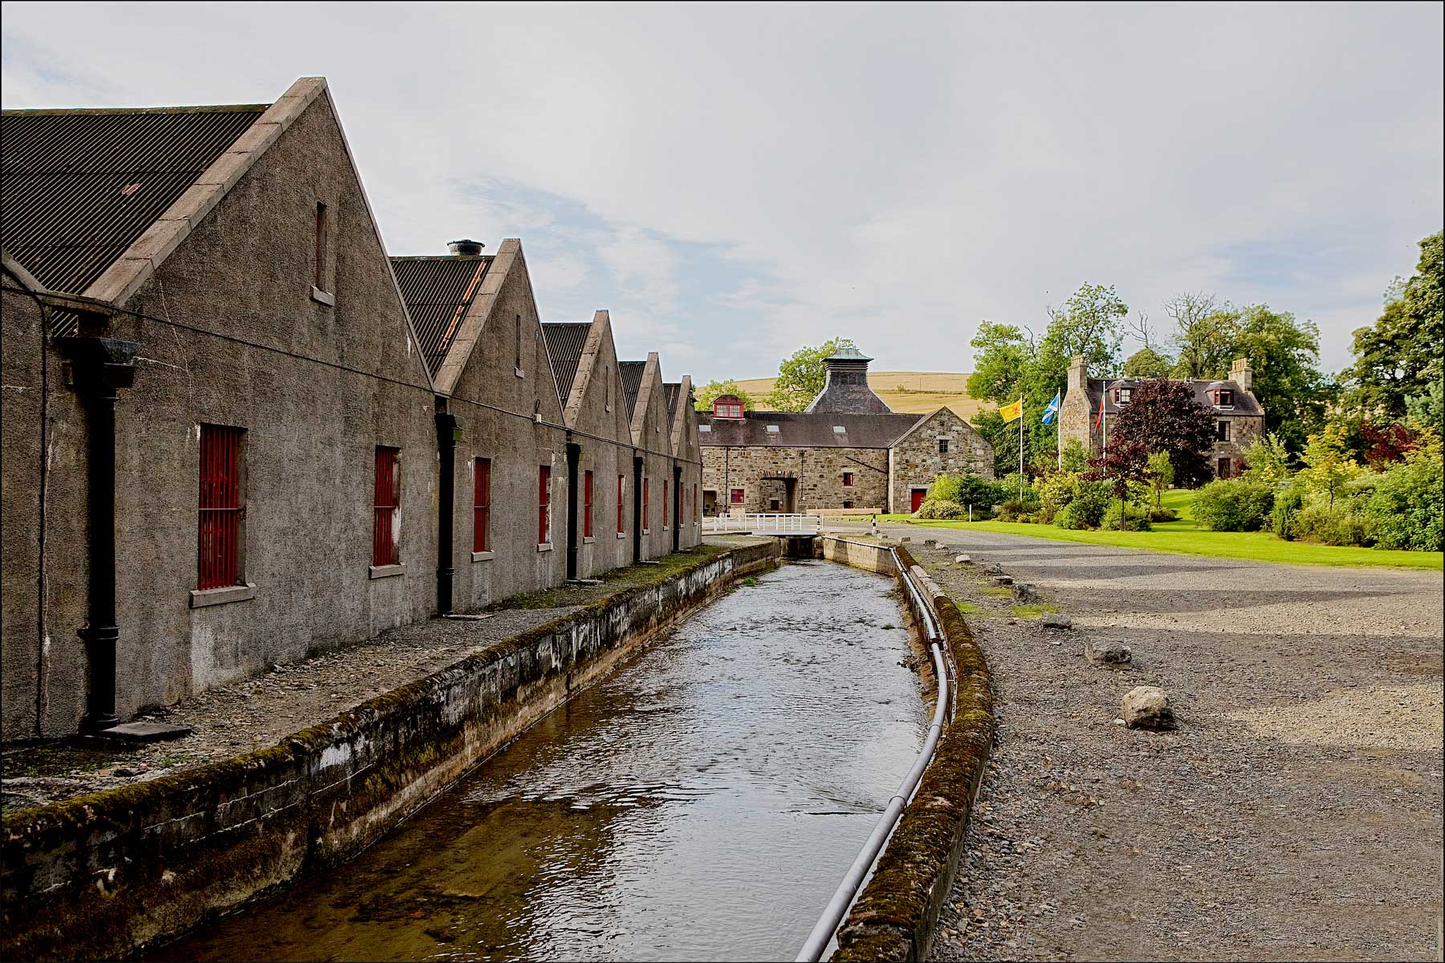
[(1021, 449), (1059, 430)]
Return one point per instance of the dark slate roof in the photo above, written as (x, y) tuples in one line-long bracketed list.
[(81, 186), (565, 341), (631, 374), (805, 429), (437, 291), (1245, 404)]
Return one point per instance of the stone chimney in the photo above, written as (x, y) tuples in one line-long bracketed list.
[(1078, 375), (465, 246), (846, 388), (1242, 374)]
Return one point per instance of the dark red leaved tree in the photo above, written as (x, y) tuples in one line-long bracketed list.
[(1162, 415), (1123, 463), (1387, 444)]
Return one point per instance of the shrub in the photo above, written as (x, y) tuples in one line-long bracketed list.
[(1015, 509), (1087, 504), (1055, 492), (968, 490), (1286, 505), (1138, 518), (1407, 506), (1233, 506), (1317, 522), (1163, 515), (937, 508)]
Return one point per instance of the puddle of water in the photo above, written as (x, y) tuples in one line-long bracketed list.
[(700, 804)]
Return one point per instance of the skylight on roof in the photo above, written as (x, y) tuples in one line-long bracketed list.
[(704, 427), (772, 429), (839, 430)]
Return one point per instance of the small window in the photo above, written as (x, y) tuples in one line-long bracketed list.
[(736, 496), (323, 240), (587, 504), (620, 515), (544, 505), (1221, 430), (847, 479), (839, 430), (943, 446), (772, 429), (482, 505), (221, 508), (847, 504), (386, 519), (704, 428), (775, 505)]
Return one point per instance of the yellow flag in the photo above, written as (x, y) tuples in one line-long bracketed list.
[(1010, 412)]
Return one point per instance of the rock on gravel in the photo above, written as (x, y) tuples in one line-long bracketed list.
[(1060, 623), (1108, 652), (961, 560), (1147, 707)]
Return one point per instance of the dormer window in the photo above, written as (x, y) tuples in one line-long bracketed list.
[(727, 406), (1223, 397), (1124, 395)]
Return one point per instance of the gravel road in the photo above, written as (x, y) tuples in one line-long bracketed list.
[(1294, 814)]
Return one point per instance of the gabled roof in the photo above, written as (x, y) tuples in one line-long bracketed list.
[(437, 292), (799, 429), (1245, 404), (82, 186), (566, 341), (631, 374)]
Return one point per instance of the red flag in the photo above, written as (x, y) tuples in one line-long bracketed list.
[(1101, 413)]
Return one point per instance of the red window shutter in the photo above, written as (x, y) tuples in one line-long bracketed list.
[(482, 504), (644, 503), (386, 501), (544, 502), (587, 504), (620, 528), (664, 503), (219, 548)]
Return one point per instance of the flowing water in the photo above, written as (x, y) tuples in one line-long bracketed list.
[(702, 803)]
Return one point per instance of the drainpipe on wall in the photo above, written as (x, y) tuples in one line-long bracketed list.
[(447, 432), (102, 366)]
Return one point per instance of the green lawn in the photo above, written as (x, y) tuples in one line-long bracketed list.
[(1187, 538)]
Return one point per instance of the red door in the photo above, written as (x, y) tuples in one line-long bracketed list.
[(918, 496)]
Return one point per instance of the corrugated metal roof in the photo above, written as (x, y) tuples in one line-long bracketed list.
[(631, 374), (565, 341), (669, 397), (805, 430), (80, 186), (437, 291)]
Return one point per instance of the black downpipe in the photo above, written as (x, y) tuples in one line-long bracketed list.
[(446, 510), (676, 507), (102, 366), (574, 455), (636, 510)]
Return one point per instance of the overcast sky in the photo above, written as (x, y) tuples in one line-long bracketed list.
[(733, 182)]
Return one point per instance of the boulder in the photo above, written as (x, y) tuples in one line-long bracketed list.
[(930, 542), (1061, 623), (1004, 579), (995, 569), (961, 560), (1147, 707), (1108, 652), (905, 538), (1024, 592)]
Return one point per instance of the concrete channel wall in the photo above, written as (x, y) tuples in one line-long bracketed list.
[(100, 876), (895, 914)]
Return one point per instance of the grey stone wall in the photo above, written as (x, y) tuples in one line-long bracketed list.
[(818, 475), (914, 460)]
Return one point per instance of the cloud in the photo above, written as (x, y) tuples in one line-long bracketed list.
[(733, 182)]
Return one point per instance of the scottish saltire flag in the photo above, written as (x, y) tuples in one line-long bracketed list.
[(1010, 412), (1051, 410)]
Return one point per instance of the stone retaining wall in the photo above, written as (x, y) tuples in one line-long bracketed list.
[(99, 876), (893, 918)]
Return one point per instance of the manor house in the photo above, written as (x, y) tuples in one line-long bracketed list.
[(847, 451)]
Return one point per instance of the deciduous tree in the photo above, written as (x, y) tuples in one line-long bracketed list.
[(1399, 356), (802, 375), (1162, 415), (710, 392)]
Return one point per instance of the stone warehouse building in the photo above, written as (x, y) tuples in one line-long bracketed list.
[(1238, 415), (235, 432), (848, 450)]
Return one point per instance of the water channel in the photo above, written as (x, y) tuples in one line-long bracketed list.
[(702, 803)]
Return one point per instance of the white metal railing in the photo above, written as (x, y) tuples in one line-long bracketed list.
[(763, 522)]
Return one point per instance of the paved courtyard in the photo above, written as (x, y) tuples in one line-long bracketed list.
[(1295, 813)]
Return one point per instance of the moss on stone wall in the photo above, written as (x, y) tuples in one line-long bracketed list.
[(894, 916)]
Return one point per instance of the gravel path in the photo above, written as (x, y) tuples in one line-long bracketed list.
[(1296, 812)]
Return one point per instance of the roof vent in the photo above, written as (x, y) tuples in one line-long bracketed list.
[(465, 246)]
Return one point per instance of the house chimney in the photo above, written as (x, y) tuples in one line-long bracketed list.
[(1242, 374), (1078, 374), (465, 246)]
